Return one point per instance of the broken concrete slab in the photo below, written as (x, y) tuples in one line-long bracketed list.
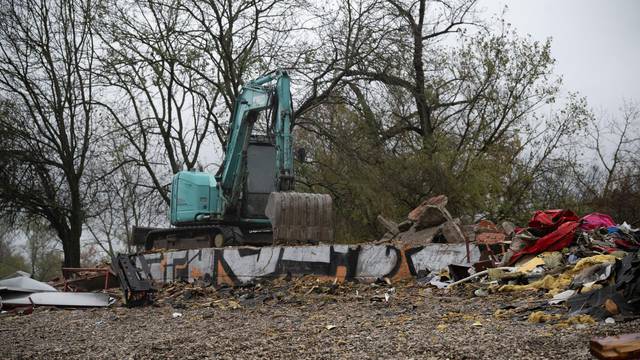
[(405, 225), (431, 216), (452, 232), (414, 237), (438, 201)]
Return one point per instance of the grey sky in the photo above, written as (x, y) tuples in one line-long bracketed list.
[(596, 43)]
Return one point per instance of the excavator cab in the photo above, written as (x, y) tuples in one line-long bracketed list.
[(261, 174)]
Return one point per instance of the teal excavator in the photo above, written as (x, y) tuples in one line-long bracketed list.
[(251, 199)]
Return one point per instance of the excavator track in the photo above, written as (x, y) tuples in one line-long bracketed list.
[(182, 237)]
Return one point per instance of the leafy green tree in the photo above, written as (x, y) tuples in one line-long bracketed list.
[(440, 103)]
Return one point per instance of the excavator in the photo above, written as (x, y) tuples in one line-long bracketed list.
[(251, 199)]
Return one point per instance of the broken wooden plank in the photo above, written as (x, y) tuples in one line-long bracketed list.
[(625, 346)]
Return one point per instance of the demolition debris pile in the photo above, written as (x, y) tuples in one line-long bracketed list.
[(588, 265), (432, 287)]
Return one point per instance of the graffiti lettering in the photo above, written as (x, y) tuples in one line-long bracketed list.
[(357, 262)]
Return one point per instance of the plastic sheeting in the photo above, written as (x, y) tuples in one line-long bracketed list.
[(596, 221), (546, 221)]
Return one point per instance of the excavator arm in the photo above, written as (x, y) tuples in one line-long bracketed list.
[(257, 96)]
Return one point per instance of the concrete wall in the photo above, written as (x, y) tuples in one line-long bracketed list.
[(367, 262)]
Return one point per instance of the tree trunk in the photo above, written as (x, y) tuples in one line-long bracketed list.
[(423, 107), (71, 248), (72, 251)]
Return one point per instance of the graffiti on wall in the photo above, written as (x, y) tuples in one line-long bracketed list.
[(234, 266)]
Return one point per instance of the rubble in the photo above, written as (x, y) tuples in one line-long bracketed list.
[(561, 271), (581, 266), (589, 265), (391, 226), (430, 222)]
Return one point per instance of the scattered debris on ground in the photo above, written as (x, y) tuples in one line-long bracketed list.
[(310, 318)]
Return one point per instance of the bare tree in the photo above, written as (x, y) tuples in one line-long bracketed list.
[(164, 109), (42, 249), (10, 259), (121, 203), (176, 67), (615, 141), (402, 58), (46, 64)]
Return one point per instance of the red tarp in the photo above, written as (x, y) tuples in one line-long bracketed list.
[(559, 226), (549, 220), (554, 241)]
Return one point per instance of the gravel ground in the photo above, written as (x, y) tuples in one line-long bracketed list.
[(305, 319)]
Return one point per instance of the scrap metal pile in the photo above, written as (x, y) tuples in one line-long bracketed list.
[(79, 288), (20, 292)]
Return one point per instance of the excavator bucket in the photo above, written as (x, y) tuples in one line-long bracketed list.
[(300, 218)]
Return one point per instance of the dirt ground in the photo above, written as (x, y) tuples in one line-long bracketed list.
[(305, 319)]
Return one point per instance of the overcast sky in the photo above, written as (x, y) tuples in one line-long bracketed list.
[(596, 43)]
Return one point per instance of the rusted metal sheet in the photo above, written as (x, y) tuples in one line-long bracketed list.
[(300, 218), (88, 279), (20, 290)]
